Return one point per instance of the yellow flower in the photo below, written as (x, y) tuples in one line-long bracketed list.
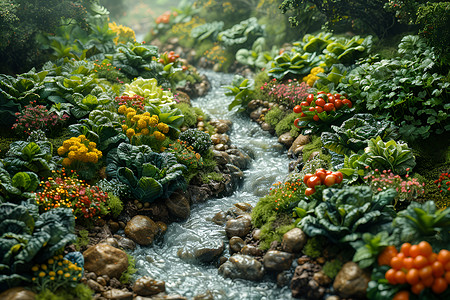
[(50, 261), (145, 131), (67, 275), (41, 274), (66, 162), (122, 109), (35, 268), (51, 273), (163, 127), (61, 150), (141, 124), (124, 127), (67, 144), (159, 136), (72, 155), (153, 121), (130, 109), (52, 278), (147, 114), (92, 145), (44, 267), (82, 137), (130, 115), (60, 272), (130, 132)]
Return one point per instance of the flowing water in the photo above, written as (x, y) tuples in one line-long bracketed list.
[(270, 164)]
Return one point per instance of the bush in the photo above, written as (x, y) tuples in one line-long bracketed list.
[(199, 140)]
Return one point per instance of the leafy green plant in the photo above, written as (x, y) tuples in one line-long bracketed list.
[(328, 81), (353, 135), (347, 51), (149, 175), (199, 140), (314, 246), (242, 90), (149, 89), (404, 89), (423, 221), (172, 117), (27, 238), (293, 64), (345, 214), (257, 57), (207, 31), (82, 106), (30, 156), (368, 248), (131, 269), (18, 188), (241, 35)]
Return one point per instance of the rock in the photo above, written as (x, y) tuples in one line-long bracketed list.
[(220, 218), (301, 140), (146, 286), (251, 250), (254, 115), (17, 293), (205, 296), (183, 97), (222, 126), (111, 241), (101, 281), (257, 234), (198, 194), (162, 227), (95, 286), (141, 229), (277, 260), (293, 240), (91, 275), (314, 154), (240, 226), (246, 207), (253, 104), (205, 252), (303, 285), (125, 242), (238, 158), (221, 158), (115, 283), (242, 266), (178, 206), (115, 294), (286, 139), (220, 138), (236, 244), (266, 126), (103, 259), (113, 226), (219, 147), (284, 278), (322, 278), (351, 281)]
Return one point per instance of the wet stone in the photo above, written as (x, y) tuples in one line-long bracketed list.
[(236, 244), (242, 266), (351, 281), (293, 240), (277, 260), (141, 229), (240, 227), (115, 294), (146, 286)]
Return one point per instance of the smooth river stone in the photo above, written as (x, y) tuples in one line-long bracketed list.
[(242, 266)]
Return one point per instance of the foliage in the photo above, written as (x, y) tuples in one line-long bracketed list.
[(293, 64), (131, 269), (207, 31), (187, 156), (200, 141), (82, 106), (274, 116), (84, 200), (257, 57), (287, 93), (328, 81), (314, 246), (368, 12), (369, 247), (57, 273), (353, 135), (191, 114), (18, 188), (30, 156), (149, 175), (242, 90), (420, 222), (287, 125), (345, 214), (150, 90), (404, 89), (241, 35), (124, 34), (80, 292), (114, 187), (331, 268), (443, 183), (80, 155), (28, 238), (18, 47), (82, 239)]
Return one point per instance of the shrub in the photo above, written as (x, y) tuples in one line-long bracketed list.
[(199, 140)]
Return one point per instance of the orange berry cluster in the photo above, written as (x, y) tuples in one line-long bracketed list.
[(418, 266)]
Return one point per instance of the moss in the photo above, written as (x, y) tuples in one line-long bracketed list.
[(274, 230), (82, 239), (80, 292), (259, 79), (190, 116), (58, 141), (314, 246), (263, 211), (274, 116), (4, 145), (115, 205), (314, 145), (212, 176), (126, 276), (286, 124), (332, 268)]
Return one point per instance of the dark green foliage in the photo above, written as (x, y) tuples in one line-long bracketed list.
[(241, 35), (27, 238), (199, 140), (18, 188), (149, 175), (405, 89), (207, 31), (345, 214), (314, 246), (423, 222), (189, 113), (125, 278), (353, 135), (242, 90), (263, 211), (274, 230), (80, 292), (369, 247), (30, 156)]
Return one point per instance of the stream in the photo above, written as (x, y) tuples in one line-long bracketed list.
[(269, 165)]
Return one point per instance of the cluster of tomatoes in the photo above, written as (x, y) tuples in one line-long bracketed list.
[(321, 177), (317, 104), (443, 182), (418, 266), (168, 57)]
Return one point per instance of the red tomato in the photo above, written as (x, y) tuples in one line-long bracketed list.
[(328, 107), (320, 102), (316, 118), (296, 123), (320, 92), (330, 180), (321, 173), (303, 115), (338, 103), (313, 181), (310, 191), (337, 96), (312, 108), (339, 176), (329, 94), (304, 103), (347, 102), (319, 109), (331, 99), (310, 98), (307, 176), (297, 109)]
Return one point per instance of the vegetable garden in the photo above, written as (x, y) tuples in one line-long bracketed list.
[(98, 129)]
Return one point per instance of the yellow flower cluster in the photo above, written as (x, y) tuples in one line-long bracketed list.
[(123, 33), (312, 77), (137, 125), (56, 273), (79, 149)]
